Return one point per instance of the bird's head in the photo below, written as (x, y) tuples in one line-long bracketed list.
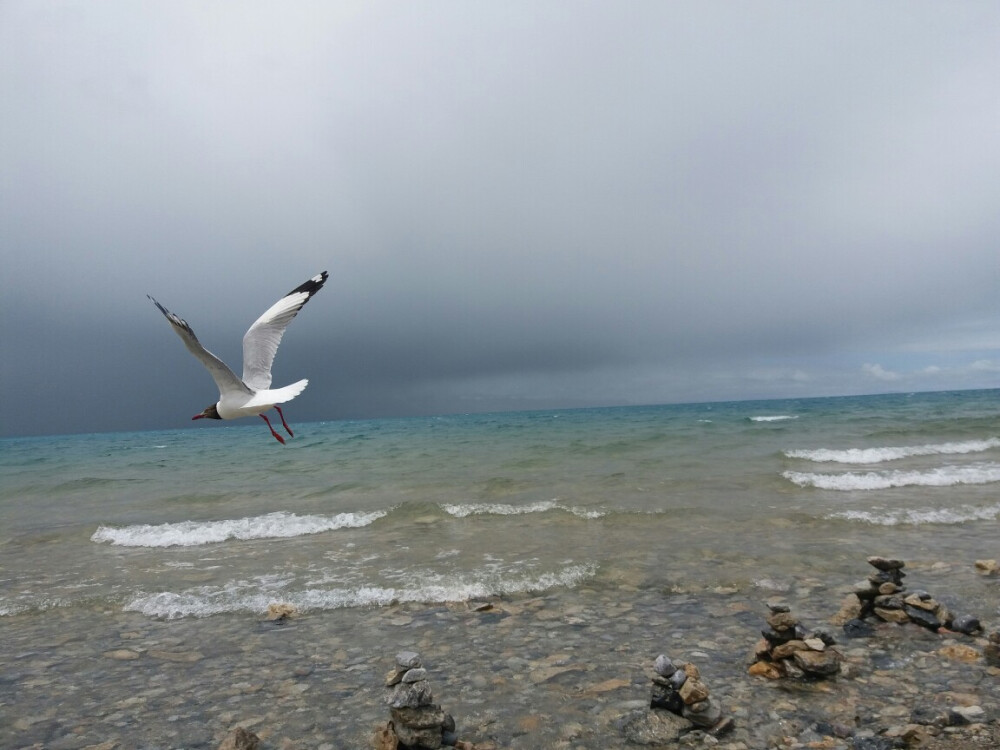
[(211, 412)]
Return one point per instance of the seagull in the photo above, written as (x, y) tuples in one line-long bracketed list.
[(251, 394)]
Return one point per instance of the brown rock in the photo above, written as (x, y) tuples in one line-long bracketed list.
[(782, 621), (280, 611), (928, 604), (766, 669), (818, 662), (122, 654), (960, 652), (987, 567), (385, 737), (240, 739), (693, 691), (892, 615), (761, 649), (394, 676), (787, 649), (850, 609), (691, 671)]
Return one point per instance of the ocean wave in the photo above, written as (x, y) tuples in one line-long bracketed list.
[(773, 418), (502, 509), (255, 596), (892, 453), (944, 476), (917, 517), (278, 525)]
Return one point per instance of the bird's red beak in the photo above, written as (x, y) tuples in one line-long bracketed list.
[(198, 416)]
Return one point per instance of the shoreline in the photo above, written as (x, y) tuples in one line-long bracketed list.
[(555, 669)]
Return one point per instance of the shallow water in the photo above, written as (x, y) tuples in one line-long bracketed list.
[(624, 516)]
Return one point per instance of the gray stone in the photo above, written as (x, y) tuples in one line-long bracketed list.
[(705, 713), (408, 659), (677, 679), (966, 624), (922, 617), (652, 727), (663, 666), (410, 695), (858, 629), (886, 563), (424, 717), (425, 739), (415, 675)]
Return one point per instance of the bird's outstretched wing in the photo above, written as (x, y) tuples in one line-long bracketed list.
[(260, 342), (224, 377)]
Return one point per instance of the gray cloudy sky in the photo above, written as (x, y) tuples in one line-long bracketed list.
[(521, 204)]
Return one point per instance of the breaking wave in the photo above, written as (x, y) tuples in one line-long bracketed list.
[(255, 596), (502, 509), (944, 476), (283, 525), (916, 517), (277, 525), (892, 453), (773, 418)]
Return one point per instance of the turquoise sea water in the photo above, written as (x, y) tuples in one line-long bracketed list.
[(221, 522)]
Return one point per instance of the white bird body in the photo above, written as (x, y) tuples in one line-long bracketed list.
[(252, 394)]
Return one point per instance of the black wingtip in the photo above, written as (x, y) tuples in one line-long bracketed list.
[(312, 286)]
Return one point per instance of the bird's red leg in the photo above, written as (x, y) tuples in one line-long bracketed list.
[(276, 435), (278, 409)]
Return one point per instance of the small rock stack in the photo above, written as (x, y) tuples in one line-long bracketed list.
[(884, 595), (419, 723), (678, 688), (788, 650)]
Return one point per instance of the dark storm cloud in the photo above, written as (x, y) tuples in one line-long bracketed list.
[(520, 204)]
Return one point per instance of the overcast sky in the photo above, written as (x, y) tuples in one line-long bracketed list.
[(520, 204)]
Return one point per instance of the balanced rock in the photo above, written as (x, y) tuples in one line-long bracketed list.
[(418, 723), (788, 650), (679, 690), (885, 597)]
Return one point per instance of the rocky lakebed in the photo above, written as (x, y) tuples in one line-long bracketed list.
[(879, 664)]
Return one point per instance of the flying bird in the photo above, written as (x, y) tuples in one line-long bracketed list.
[(251, 394)]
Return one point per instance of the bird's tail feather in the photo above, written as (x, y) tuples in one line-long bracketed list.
[(278, 395)]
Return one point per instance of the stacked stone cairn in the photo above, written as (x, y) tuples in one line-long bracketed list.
[(788, 650), (677, 687), (884, 595), (418, 722)]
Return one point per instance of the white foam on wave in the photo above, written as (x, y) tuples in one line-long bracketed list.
[(503, 509), (892, 453), (773, 418), (916, 517), (255, 596), (278, 525), (943, 476)]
